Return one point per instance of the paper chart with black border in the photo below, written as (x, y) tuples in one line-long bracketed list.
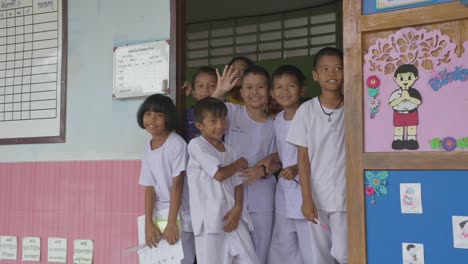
[(30, 68)]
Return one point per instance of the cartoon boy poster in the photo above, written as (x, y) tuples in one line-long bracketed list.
[(460, 231), (413, 253), (405, 102)]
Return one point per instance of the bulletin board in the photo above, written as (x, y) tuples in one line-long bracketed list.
[(388, 228), (430, 45), (33, 53)]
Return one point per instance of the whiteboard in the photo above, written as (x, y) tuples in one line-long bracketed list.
[(141, 70), (32, 71)]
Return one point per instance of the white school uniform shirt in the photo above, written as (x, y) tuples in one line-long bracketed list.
[(159, 166), (210, 200), (253, 141), (325, 142), (288, 198)]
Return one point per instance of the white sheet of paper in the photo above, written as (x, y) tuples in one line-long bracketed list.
[(141, 69), (82, 251), (460, 231), (164, 253), (31, 249), (8, 247), (410, 198), (412, 253), (57, 250)]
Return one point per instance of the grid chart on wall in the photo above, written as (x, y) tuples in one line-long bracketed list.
[(276, 36), (29, 66)]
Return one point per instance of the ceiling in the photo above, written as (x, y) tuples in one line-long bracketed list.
[(205, 10)]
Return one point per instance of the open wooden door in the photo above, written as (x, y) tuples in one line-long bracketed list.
[(433, 38)]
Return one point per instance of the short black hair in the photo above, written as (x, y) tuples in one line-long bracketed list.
[(159, 103), (290, 70), (462, 224), (410, 246), (257, 69), (327, 51), (248, 61), (209, 105), (406, 68), (204, 69)]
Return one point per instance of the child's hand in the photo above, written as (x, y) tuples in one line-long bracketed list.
[(152, 234), (289, 173), (243, 163), (253, 174), (267, 162), (227, 80), (187, 88), (309, 210), (232, 219), (171, 233)]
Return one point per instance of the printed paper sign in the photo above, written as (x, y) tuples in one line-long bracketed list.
[(460, 231), (413, 253), (82, 251), (57, 250), (410, 198), (31, 249), (8, 248)]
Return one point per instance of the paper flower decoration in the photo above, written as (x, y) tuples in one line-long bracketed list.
[(374, 103), (373, 82), (375, 184), (449, 144)]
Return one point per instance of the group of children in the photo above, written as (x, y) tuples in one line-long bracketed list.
[(250, 188)]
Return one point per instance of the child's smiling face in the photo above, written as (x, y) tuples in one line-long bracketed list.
[(204, 85), (329, 73), (254, 90), (405, 80)]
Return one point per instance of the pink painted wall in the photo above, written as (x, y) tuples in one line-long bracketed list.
[(97, 200)]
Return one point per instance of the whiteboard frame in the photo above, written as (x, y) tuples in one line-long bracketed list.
[(63, 89)]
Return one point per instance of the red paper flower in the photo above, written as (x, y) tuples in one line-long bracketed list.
[(373, 81), (370, 190)]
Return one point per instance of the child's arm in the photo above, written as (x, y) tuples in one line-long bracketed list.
[(152, 232), (226, 82), (227, 171), (309, 210), (171, 232), (233, 216), (267, 165), (187, 88), (289, 173), (271, 162)]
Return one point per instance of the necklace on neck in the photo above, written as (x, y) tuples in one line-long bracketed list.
[(329, 114)]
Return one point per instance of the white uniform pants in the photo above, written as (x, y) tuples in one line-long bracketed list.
[(226, 248)]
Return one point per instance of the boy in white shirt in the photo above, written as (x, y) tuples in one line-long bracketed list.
[(318, 132), (292, 239), (220, 225)]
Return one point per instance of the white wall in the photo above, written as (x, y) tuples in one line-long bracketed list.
[(98, 127)]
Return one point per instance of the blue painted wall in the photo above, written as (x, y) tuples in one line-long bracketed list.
[(98, 127), (368, 6), (444, 194)]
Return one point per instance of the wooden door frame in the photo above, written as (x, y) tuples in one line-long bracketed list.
[(177, 61), (357, 161)]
